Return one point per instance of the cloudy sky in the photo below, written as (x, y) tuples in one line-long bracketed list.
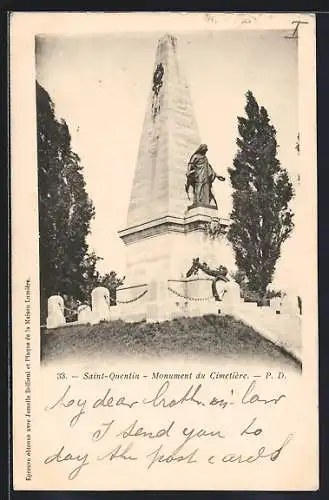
[(100, 84)]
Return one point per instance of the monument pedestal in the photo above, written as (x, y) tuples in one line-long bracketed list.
[(164, 248), (159, 254)]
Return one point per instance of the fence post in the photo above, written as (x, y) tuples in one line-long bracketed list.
[(100, 304), (55, 316)]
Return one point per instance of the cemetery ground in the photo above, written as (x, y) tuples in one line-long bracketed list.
[(222, 337)]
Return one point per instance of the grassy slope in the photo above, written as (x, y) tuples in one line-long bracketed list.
[(216, 335)]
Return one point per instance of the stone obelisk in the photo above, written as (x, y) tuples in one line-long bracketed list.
[(163, 234)]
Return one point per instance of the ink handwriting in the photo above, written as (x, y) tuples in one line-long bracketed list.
[(177, 437)]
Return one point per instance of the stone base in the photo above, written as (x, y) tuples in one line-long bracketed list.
[(168, 299), (131, 303), (158, 255), (55, 321)]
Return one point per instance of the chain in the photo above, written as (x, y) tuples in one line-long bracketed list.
[(132, 300), (75, 311), (70, 310), (118, 301), (196, 299)]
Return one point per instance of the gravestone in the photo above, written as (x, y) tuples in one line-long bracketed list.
[(290, 304), (100, 304), (275, 304), (55, 316), (231, 299), (84, 314)]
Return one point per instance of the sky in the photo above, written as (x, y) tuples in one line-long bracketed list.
[(100, 85)]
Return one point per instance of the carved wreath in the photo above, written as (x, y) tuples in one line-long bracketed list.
[(157, 78)]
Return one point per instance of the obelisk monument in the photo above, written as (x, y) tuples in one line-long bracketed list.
[(166, 227)]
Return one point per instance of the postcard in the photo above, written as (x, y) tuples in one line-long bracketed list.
[(164, 251)]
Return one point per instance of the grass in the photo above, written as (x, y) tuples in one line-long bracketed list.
[(219, 336)]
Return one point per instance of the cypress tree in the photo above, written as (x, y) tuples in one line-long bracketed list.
[(261, 218)]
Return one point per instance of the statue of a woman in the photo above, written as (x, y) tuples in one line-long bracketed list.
[(200, 175)]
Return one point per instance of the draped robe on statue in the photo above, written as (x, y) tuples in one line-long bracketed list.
[(201, 176)]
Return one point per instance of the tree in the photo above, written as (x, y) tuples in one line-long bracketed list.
[(261, 219), (111, 281), (65, 210)]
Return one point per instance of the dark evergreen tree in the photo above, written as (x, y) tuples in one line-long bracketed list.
[(261, 218), (65, 210)]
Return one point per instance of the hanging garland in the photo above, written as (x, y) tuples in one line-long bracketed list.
[(197, 299), (132, 300)]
